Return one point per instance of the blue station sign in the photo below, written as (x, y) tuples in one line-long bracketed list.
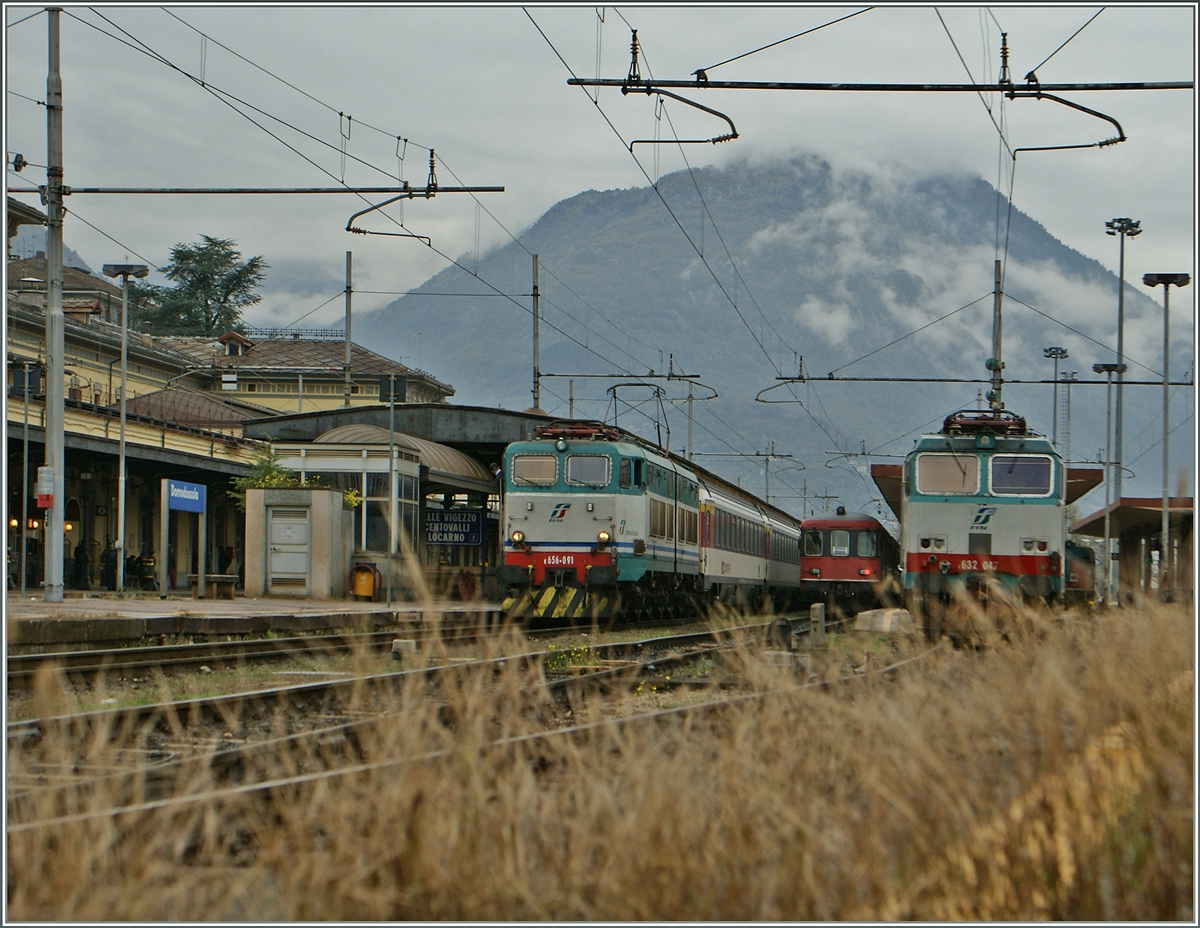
[(187, 497), (454, 527)]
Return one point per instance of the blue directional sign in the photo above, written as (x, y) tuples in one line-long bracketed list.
[(188, 497), (454, 526)]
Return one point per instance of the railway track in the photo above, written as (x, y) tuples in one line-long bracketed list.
[(89, 664), (159, 765), (232, 708), (337, 752)]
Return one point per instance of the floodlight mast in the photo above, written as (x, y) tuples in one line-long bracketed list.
[(124, 271)]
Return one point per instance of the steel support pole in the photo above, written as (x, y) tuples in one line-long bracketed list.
[(121, 464), (1108, 496), (537, 386), (1056, 401), (25, 485), (52, 582), (690, 399), (1120, 378), (164, 539), (997, 401), (349, 290), (1165, 579), (394, 533)]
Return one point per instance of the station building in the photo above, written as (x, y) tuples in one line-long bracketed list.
[(443, 511), (188, 400)]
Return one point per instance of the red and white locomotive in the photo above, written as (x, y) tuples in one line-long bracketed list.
[(848, 559)]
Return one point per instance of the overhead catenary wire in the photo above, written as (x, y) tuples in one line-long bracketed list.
[(1032, 75), (712, 67), (444, 164), (221, 95), (654, 186)]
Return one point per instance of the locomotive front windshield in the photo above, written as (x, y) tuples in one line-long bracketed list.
[(839, 543), (812, 542), (939, 474), (1021, 475), (866, 544), (534, 469), (588, 470)]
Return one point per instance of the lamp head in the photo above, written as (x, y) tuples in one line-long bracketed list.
[(126, 270), (1177, 280)]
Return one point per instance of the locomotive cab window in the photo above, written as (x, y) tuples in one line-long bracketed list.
[(1021, 475), (534, 470), (939, 474), (839, 543), (866, 544), (812, 543), (588, 470), (626, 473)]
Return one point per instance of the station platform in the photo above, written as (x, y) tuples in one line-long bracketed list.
[(108, 620)]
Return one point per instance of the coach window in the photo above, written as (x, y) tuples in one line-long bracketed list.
[(812, 543), (534, 470), (939, 474), (588, 470), (1021, 475), (839, 543), (866, 544)]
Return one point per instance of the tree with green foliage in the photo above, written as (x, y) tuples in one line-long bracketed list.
[(265, 471), (212, 286)]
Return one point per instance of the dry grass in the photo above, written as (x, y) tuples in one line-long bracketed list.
[(1048, 777)]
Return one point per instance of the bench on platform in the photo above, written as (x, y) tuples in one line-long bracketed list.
[(221, 584)]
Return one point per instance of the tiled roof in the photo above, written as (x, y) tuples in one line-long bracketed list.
[(293, 354), (73, 278), (187, 406)]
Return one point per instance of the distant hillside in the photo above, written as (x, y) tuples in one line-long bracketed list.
[(839, 264), (29, 240)]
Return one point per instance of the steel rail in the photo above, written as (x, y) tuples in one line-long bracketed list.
[(22, 667), (236, 705), (216, 795)]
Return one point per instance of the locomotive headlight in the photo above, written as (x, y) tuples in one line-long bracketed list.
[(603, 537), (561, 444), (925, 542), (939, 543), (1027, 544), (517, 537), (1042, 546), (864, 572)]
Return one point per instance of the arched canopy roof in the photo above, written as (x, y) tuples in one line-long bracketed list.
[(446, 465)]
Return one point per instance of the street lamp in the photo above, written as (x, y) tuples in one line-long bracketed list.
[(124, 271), (1058, 354), (1164, 541), (1108, 369), (1122, 227)]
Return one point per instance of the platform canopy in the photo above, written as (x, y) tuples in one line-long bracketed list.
[(448, 467), (1132, 512)]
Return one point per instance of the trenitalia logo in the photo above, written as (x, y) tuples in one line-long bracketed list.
[(560, 510), (984, 513)]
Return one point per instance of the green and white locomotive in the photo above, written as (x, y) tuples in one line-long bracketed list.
[(599, 524), (982, 518)]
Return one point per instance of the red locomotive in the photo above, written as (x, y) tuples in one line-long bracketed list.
[(848, 560)]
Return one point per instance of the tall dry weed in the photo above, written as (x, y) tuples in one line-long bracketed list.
[(1048, 777)]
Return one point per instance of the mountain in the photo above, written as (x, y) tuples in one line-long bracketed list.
[(29, 240), (831, 266)]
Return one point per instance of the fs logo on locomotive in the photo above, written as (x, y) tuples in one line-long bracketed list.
[(983, 515), (560, 510)]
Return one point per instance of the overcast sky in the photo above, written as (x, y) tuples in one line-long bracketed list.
[(489, 93)]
